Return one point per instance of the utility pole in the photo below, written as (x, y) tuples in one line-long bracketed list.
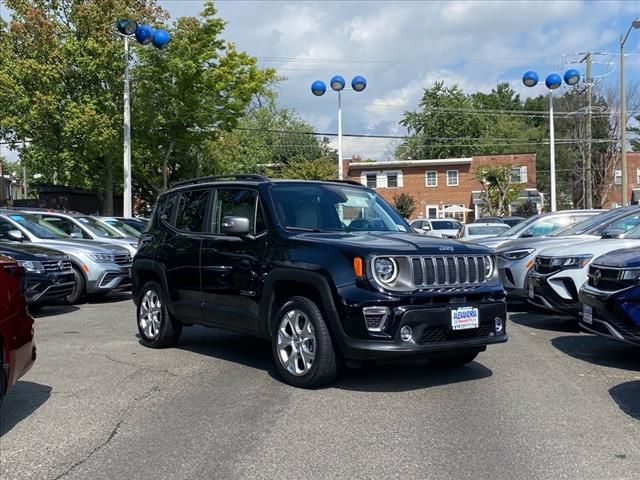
[(588, 178)]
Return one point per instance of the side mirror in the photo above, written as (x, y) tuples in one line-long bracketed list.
[(236, 225), (75, 235), (526, 235), (15, 235), (613, 233)]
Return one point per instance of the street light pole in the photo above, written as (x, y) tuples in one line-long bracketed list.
[(340, 174), (337, 84), (127, 134), (552, 153), (144, 35), (623, 116)]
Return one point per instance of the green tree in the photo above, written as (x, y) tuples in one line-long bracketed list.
[(61, 89), (498, 189), (405, 204), (187, 95), (274, 141)]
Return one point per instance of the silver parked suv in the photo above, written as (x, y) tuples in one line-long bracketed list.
[(98, 267), (79, 225)]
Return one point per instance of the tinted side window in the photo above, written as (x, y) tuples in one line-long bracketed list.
[(235, 203), (5, 228), (261, 225), (167, 209), (191, 210)]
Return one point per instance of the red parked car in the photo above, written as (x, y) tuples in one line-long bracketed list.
[(17, 350)]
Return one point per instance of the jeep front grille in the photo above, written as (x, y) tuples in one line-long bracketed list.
[(447, 271)]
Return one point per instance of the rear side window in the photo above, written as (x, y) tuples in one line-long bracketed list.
[(191, 210)]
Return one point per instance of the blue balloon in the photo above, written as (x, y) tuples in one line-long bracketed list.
[(337, 83), (530, 79), (571, 77), (359, 83), (144, 34), (553, 81), (318, 88), (126, 26), (161, 38)]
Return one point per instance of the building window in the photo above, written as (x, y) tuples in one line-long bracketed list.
[(392, 180), (372, 180), (638, 175), (432, 211), (452, 178), (617, 177), (519, 174), (431, 178)]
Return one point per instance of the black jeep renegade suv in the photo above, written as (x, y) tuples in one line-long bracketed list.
[(327, 271)]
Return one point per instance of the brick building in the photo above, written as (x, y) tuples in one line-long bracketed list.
[(612, 195), (443, 187)]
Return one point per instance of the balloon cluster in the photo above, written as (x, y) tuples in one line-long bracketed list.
[(144, 34)]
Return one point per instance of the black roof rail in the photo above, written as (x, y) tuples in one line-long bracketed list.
[(240, 176)]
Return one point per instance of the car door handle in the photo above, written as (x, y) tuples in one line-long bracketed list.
[(218, 268)]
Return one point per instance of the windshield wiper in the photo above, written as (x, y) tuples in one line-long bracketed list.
[(304, 229)]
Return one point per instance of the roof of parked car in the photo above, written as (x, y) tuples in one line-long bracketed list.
[(253, 179)]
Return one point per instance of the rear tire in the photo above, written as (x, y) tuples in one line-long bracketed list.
[(157, 327), (78, 293), (454, 361), (302, 346)]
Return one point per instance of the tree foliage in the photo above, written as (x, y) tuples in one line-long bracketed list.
[(405, 204), (498, 189), (61, 84)]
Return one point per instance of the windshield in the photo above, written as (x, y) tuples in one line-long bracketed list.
[(99, 228), (486, 229), (335, 208), (519, 227), (633, 234), (123, 227), (597, 224), (445, 225), (38, 227)]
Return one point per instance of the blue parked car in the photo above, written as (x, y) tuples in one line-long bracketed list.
[(611, 296)]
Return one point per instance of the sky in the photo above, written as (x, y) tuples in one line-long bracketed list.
[(405, 46)]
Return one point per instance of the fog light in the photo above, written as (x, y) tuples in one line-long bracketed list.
[(499, 324), (405, 333), (375, 317)]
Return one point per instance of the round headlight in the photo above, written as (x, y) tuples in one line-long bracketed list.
[(488, 267), (386, 269)]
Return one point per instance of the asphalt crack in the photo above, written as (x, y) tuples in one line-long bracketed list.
[(112, 434)]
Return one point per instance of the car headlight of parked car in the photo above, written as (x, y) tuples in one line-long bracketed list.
[(102, 257), (385, 269), (29, 266), (516, 254), (632, 275), (489, 266), (579, 261)]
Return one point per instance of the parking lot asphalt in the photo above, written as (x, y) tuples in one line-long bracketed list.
[(550, 403)]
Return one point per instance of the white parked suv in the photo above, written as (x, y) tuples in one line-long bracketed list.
[(437, 227), (559, 272)]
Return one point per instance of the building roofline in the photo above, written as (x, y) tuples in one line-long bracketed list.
[(409, 163)]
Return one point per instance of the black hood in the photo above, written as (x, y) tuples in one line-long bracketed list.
[(626, 258), (395, 243), (22, 251)]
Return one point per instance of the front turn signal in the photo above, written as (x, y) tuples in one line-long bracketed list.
[(358, 267)]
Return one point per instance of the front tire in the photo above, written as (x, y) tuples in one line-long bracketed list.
[(455, 360), (157, 328), (302, 346), (78, 293)]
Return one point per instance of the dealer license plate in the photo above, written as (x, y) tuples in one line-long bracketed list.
[(587, 314), (464, 318), (531, 292)]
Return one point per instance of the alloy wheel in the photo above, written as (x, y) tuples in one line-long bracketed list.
[(150, 315), (296, 342)]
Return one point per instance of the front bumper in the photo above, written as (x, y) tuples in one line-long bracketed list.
[(541, 294), (431, 326), (615, 315), (115, 277), (43, 288), (513, 275)]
